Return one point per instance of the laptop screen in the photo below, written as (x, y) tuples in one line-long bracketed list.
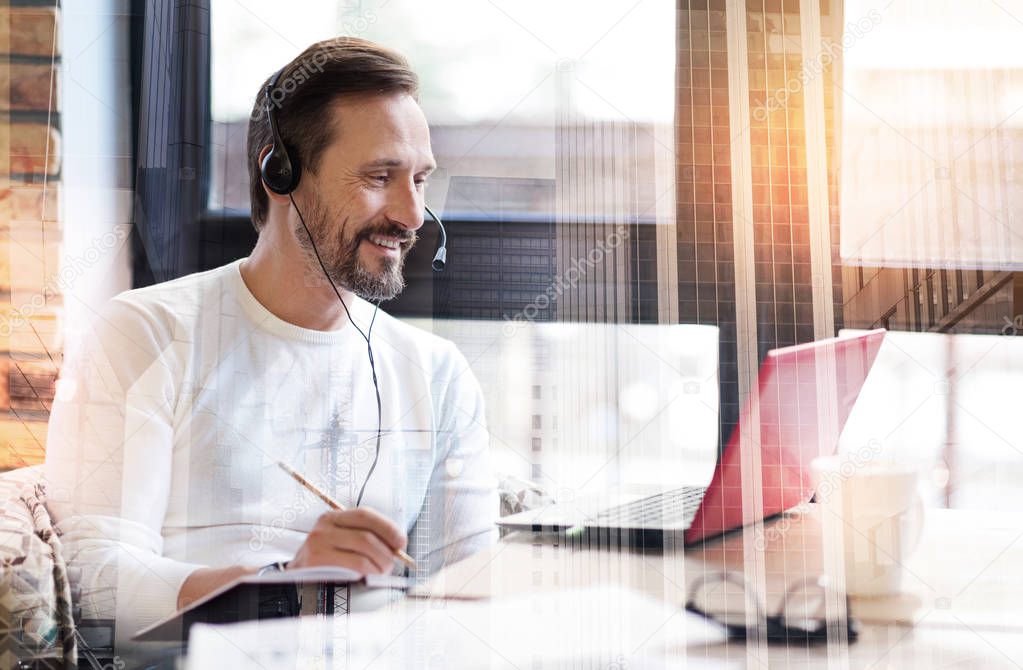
[(803, 398)]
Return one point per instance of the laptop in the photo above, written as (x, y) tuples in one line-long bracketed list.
[(801, 403)]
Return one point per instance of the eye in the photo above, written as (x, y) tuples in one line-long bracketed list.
[(421, 182), (380, 178)]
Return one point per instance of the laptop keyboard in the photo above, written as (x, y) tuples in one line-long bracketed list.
[(674, 507)]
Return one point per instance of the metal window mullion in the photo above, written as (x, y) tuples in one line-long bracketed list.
[(754, 567), (818, 209)]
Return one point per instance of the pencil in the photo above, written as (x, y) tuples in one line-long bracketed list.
[(333, 504)]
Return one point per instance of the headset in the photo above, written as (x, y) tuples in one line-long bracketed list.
[(281, 171)]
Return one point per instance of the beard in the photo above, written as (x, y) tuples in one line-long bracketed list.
[(340, 254)]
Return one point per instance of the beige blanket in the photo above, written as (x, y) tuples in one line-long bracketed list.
[(35, 595)]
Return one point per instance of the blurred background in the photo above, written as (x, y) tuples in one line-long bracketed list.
[(641, 198)]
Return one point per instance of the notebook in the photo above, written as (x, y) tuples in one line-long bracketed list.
[(317, 590)]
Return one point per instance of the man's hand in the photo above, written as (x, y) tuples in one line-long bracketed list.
[(358, 539)]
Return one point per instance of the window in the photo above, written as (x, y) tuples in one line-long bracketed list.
[(495, 115), (931, 133), (546, 139), (876, 197)]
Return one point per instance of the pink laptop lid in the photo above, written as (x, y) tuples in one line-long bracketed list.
[(804, 395)]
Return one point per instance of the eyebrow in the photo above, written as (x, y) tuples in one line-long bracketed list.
[(394, 163)]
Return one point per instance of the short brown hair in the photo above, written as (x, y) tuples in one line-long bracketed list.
[(307, 87)]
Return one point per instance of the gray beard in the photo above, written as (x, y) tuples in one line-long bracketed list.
[(348, 272), (367, 285)]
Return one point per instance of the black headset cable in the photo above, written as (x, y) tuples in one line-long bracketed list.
[(365, 335)]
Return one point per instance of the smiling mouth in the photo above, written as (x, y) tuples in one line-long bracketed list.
[(386, 242)]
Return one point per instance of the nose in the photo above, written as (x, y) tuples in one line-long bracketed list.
[(405, 207)]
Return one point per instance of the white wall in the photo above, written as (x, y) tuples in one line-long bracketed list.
[(949, 404), (97, 166)]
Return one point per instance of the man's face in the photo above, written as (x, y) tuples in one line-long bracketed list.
[(367, 193)]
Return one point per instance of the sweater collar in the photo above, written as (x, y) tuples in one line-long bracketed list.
[(361, 311)]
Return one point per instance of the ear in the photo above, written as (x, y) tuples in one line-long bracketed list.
[(273, 197)]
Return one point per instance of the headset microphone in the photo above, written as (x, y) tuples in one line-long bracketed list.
[(281, 171), (441, 257)]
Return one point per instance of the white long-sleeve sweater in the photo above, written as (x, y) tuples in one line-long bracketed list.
[(164, 437)]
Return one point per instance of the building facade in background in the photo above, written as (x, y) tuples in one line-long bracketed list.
[(30, 271), (790, 117), (773, 224)]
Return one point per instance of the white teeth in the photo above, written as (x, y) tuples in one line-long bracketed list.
[(390, 244)]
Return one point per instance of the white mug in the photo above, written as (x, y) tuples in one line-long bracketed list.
[(881, 514)]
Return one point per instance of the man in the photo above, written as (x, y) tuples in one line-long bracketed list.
[(165, 438)]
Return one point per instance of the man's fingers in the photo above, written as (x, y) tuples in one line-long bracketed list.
[(361, 539), (371, 520), (366, 543), (344, 558), (327, 534)]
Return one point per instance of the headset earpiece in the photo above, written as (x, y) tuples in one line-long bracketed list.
[(280, 172)]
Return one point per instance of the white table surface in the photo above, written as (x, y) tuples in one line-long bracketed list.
[(961, 608)]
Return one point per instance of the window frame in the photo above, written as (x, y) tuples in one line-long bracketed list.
[(207, 238)]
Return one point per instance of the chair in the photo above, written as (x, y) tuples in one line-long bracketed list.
[(36, 611)]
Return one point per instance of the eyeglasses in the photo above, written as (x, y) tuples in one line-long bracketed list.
[(801, 619)]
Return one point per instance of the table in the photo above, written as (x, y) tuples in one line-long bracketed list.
[(961, 606), (963, 600)]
